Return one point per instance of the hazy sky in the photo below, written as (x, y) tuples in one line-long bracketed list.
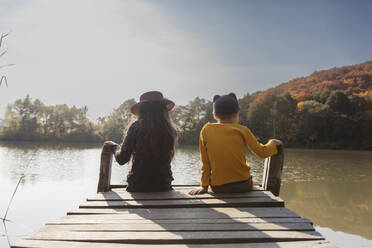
[(100, 52)]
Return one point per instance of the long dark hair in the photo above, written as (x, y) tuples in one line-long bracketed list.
[(157, 136)]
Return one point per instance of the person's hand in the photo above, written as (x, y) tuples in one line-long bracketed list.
[(277, 142), (199, 191), (109, 143), (113, 146)]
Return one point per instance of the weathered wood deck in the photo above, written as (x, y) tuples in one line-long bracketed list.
[(176, 219), (116, 218)]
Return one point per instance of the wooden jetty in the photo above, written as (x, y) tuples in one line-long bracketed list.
[(115, 218)]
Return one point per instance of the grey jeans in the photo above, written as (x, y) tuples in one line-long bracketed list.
[(236, 187)]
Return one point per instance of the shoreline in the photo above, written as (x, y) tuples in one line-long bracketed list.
[(319, 146)]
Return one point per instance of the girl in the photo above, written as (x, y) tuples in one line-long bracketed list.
[(223, 149), (150, 142)]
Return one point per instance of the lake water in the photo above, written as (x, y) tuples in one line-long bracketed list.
[(331, 188)]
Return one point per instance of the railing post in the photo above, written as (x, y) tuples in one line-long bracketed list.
[(272, 175), (105, 169)]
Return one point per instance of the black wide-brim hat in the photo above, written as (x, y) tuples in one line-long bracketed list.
[(151, 96)]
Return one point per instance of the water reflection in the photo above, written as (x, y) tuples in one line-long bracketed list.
[(341, 239), (332, 188), (45, 162), (310, 165), (341, 206)]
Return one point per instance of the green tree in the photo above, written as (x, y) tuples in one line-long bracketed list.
[(321, 95), (113, 126), (244, 104), (29, 119), (190, 119), (285, 118), (358, 103), (362, 130), (315, 122), (273, 117), (260, 117), (339, 103)]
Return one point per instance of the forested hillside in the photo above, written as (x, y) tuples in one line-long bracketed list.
[(328, 109), (354, 79)]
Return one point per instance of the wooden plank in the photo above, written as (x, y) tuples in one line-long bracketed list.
[(214, 237), (187, 213), (65, 244), (121, 188), (151, 227), (231, 202), (172, 195), (74, 221)]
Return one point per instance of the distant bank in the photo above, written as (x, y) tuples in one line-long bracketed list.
[(327, 109)]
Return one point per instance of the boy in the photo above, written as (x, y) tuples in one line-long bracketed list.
[(222, 150)]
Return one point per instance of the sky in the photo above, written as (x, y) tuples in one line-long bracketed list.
[(99, 53)]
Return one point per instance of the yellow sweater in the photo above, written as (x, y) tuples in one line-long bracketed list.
[(222, 151)]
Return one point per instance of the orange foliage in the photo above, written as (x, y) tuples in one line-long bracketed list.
[(300, 106), (356, 79)]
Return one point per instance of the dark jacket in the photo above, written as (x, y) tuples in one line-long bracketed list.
[(148, 174)]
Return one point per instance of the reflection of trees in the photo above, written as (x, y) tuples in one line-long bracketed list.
[(328, 187), (341, 206), (58, 163), (27, 146), (186, 165)]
